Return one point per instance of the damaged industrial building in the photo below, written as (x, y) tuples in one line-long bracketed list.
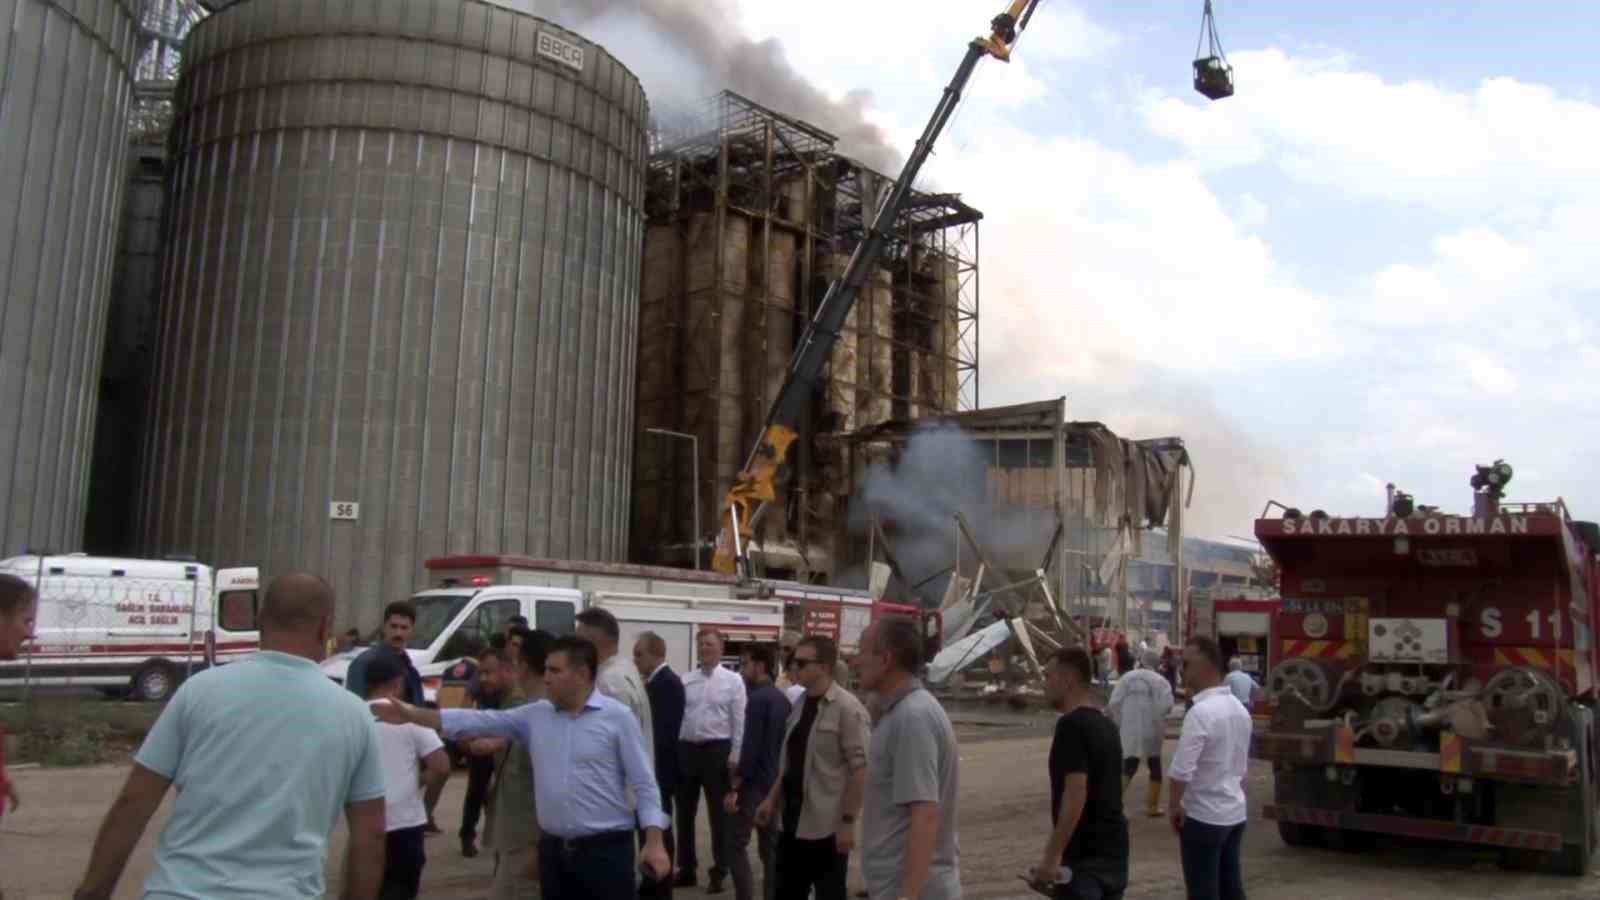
[(751, 214), (465, 296)]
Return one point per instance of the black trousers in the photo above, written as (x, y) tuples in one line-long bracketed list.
[(593, 868), (806, 865), (480, 770), (662, 889), (404, 857), (705, 770), (1211, 868)]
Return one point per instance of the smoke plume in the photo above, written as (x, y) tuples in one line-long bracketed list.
[(687, 50), (941, 472)]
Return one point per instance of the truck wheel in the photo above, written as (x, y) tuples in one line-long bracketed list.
[(1571, 859), (1517, 860), (154, 682), (1349, 841), (1296, 835)]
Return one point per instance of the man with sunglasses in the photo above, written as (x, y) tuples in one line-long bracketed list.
[(817, 797)]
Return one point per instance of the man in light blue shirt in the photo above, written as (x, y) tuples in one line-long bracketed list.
[(264, 753), (585, 749), (1240, 683)]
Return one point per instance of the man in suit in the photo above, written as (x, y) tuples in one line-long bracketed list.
[(665, 690)]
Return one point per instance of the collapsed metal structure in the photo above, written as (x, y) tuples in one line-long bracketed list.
[(1018, 522)]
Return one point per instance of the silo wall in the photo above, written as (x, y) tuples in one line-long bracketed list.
[(65, 87), (403, 273)]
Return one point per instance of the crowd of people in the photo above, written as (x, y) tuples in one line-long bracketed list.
[(585, 755)]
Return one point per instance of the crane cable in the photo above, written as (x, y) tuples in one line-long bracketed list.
[(1208, 35)]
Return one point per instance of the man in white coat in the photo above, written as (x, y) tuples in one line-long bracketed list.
[(1139, 704)]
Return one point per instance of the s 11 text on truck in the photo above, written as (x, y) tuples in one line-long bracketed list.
[(1436, 678)]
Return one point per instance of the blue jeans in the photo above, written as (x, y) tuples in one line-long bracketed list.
[(1211, 860)]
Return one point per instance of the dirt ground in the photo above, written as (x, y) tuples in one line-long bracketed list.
[(1004, 815)]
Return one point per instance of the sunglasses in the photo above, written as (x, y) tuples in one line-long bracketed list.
[(802, 663)]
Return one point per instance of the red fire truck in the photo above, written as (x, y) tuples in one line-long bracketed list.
[(1437, 677)]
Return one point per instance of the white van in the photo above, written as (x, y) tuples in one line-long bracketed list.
[(135, 625), (450, 619)]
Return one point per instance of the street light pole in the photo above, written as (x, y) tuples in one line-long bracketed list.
[(694, 445)]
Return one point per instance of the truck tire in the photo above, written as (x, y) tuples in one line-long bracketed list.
[(1571, 859), (1349, 841), (1517, 860), (1296, 835), (155, 682)]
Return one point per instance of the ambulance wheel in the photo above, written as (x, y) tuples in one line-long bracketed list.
[(154, 682)]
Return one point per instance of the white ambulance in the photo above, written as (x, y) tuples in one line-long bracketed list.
[(132, 625)]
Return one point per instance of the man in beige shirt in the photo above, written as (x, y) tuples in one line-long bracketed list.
[(822, 777)]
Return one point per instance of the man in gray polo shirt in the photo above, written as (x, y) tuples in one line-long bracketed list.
[(909, 828)]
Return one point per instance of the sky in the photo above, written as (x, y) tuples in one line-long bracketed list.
[(1370, 265)]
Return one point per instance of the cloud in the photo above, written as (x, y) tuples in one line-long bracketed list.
[(1489, 150), (1165, 279)]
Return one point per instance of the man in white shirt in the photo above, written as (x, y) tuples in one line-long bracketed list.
[(412, 757), (1207, 804), (708, 750), (1240, 683)]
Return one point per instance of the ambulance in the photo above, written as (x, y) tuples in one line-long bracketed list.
[(131, 626)]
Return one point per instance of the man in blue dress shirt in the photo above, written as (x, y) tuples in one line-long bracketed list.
[(585, 749)]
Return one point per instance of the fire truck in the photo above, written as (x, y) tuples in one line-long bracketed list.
[(1436, 677), (1240, 620)]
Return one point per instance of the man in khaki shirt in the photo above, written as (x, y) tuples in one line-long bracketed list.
[(822, 779), (512, 823)]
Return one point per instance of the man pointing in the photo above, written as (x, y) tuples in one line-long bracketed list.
[(586, 749)]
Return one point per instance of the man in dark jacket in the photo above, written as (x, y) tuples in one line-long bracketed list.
[(665, 690), (399, 618), (766, 722)]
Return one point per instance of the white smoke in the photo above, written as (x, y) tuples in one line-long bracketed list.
[(940, 472)]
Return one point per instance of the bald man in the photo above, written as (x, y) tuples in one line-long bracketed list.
[(264, 753)]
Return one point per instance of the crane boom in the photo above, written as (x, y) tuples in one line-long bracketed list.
[(757, 484)]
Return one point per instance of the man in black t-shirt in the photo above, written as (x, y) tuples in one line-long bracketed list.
[(1090, 837)]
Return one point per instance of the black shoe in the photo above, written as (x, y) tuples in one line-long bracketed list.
[(714, 884), (469, 848), (685, 879)]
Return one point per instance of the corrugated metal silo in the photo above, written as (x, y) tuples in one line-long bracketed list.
[(403, 272), (65, 84)]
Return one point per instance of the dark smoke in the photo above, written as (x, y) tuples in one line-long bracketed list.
[(687, 50)]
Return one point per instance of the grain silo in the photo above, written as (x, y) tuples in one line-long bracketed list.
[(65, 86), (402, 284)]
